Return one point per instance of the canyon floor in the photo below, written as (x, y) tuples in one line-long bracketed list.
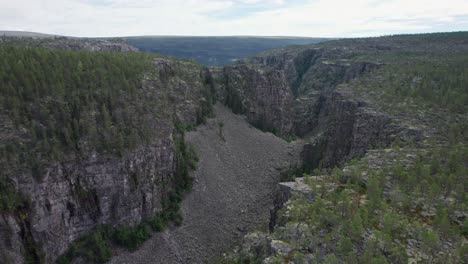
[(233, 191)]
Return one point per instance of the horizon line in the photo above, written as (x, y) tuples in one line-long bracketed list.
[(2, 33)]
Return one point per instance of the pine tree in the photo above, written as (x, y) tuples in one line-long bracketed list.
[(106, 119), (356, 228), (430, 243), (442, 221), (345, 246), (374, 193)]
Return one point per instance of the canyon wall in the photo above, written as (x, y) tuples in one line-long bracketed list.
[(337, 125), (72, 197), (289, 92)]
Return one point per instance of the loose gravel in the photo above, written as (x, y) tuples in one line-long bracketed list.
[(234, 188)]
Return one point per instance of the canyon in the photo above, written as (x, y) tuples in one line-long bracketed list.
[(287, 111)]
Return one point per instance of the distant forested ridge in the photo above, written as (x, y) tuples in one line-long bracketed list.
[(215, 50)]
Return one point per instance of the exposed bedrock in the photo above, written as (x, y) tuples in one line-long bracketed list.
[(75, 197), (295, 93), (347, 128), (288, 93), (72, 197), (262, 95), (235, 184)]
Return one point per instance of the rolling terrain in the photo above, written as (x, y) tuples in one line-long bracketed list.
[(208, 51), (25, 34), (346, 151), (215, 50)]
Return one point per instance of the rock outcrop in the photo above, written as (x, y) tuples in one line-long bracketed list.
[(72, 197), (347, 128), (11, 245), (71, 43), (263, 95), (234, 186), (294, 91), (290, 92)]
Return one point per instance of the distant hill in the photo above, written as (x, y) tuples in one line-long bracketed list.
[(205, 50), (215, 50), (26, 34)]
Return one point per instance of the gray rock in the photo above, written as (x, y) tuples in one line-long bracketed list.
[(294, 91), (261, 94), (258, 244), (11, 244), (72, 43), (280, 247), (76, 195), (298, 187)]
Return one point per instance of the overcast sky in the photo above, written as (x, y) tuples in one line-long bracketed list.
[(314, 18)]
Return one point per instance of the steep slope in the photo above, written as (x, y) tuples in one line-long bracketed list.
[(295, 94), (93, 153), (95, 142), (233, 191), (337, 91), (385, 122)]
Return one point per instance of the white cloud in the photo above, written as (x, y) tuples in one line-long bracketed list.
[(205, 17)]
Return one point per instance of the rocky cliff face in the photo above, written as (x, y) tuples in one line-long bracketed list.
[(72, 197), (347, 128), (234, 185), (294, 91), (263, 95)]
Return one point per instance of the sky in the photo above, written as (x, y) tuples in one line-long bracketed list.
[(310, 18)]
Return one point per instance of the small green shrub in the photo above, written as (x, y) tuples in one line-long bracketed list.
[(132, 237), (159, 222), (9, 197), (192, 157), (465, 227), (291, 173), (94, 247)]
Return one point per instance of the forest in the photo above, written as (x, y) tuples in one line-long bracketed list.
[(60, 105), (67, 101), (214, 50)]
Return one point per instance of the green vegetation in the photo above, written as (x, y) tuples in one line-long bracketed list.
[(438, 83), (9, 198), (59, 104), (424, 71), (374, 214), (291, 173), (241, 260), (93, 247), (62, 104), (96, 246), (396, 205), (214, 50)]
